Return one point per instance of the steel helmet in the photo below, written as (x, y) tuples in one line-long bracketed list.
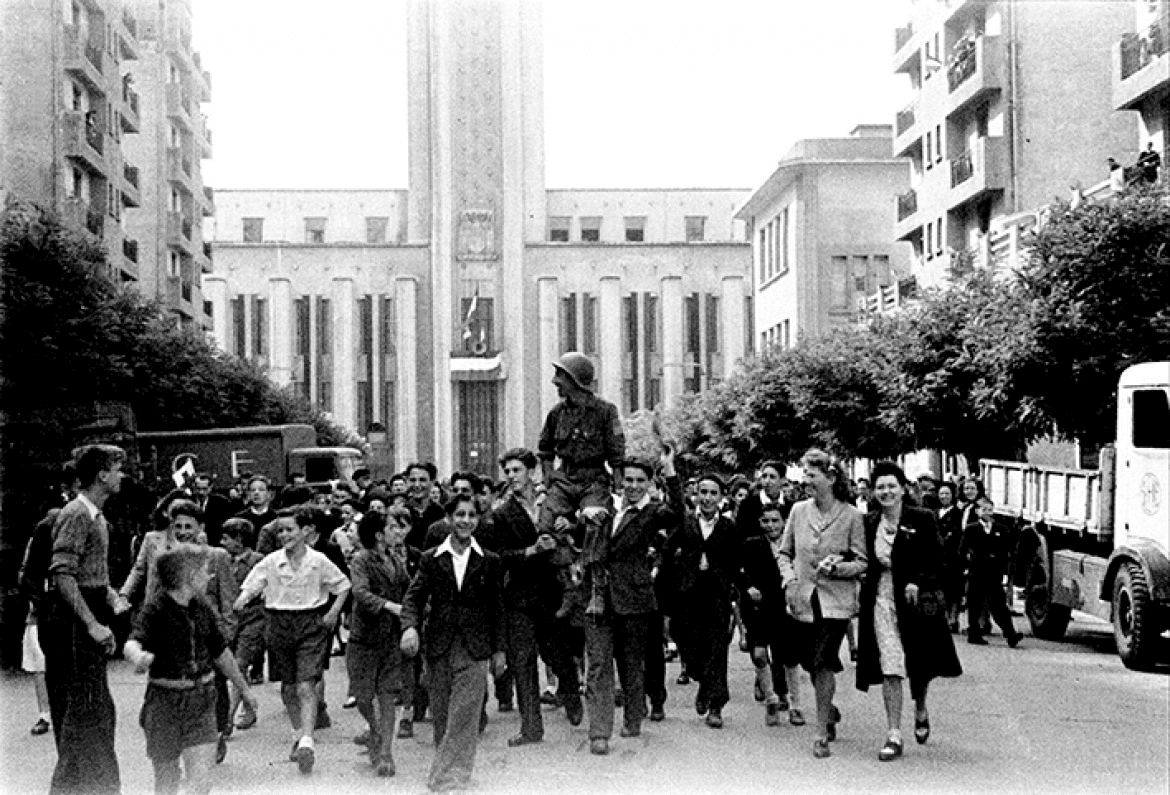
[(578, 368)]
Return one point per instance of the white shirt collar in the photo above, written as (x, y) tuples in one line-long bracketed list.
[(765, 499), (450, 550), (89, 506), (640, 504)]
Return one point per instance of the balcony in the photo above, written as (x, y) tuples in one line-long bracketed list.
[(978, 171), (79, 57), (81, 214), (83, 141), (204, 259), (907, 130), (208, 201), (131, 192), (975, 70), (130, 116), (179, 168), (906, 49), (179, 232), (179, 105), (127, 46), (1142, 66), (130, 249), (205, 140), (129, 22), (907, 204)]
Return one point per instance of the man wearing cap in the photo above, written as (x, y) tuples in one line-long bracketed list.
[(582, 435)]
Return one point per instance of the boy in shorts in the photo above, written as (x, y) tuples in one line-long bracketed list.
[(251, 623), (373, 657), (177, 638), (296, 582)]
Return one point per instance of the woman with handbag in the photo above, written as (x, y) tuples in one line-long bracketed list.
[(903, 619)]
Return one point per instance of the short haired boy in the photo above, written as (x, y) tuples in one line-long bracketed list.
[(177, 638), (296, 582), (251, 622), (372, 655)]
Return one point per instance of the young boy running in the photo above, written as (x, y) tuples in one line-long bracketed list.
[(251, 623), (372, 655), (176, 637), (296, 582)]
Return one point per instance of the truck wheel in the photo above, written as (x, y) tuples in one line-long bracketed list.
[(1133, 618), (1048, 620)]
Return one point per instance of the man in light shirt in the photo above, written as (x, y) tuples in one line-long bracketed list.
[(296, 582)]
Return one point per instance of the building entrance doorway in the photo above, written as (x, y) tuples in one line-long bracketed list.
[(478, 421)]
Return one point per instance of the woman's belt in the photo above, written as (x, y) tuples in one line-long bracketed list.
[(182, 684)]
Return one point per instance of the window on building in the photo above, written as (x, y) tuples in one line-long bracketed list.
[(938, 143), (589, 324), (175, 265), (635, 228), (749, 325), (259, 327), (785, 241), (938, 237), (591, 230), (481, 326), (862, 278), (787, 337), (558, 229), (76, 98), (253, 230), (653, 393), (881, 270), (839, 282), (632, 354), (650, 316), (928, 240), (696, 227), (315, 230), (239, 330), (376, 229), (388, 331), (324, 354), (927, 148), (365, 363), (762, 250), (569, 323), (302, 376), (712, 325)]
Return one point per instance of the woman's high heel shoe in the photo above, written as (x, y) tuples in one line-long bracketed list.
[(922, 730)]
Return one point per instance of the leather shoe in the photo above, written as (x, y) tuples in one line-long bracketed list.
[(977, 640), (40, 727), (657, 713), (505, 706), (363, 738), (821, 749), (599, 746), (683, 679), (834, 719), (890, 751), (715, 719), (520, 739), (405, 729), (700, 705), (574, 711), (246, 722), (385, 768), (922, 730), (631, 731), (221, 750), (1015, 639)]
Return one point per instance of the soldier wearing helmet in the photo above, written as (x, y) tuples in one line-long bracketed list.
[(582, 435)]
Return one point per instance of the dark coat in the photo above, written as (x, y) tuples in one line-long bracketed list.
[(926, 637), (987, 552), (681, 557), (530, 581), (631, 551), (747, 518), (760, 571), (475, 612)]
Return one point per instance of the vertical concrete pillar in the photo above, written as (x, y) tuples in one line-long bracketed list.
[(215, 288), (611, 339), (376, 379), (442, 233), (733, 322), (344, 405), (280, 330), (314, 351), (406, 382), (512, 222), (672, 340), (550, 334)]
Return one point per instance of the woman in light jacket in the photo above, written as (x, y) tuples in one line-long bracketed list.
[(822, 557)]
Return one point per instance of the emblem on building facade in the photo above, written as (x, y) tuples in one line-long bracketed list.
[(477, 235)]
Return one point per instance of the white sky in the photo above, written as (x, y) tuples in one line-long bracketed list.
[(638, 93)]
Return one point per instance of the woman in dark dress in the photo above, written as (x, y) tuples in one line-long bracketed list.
[(950, 530), (902, 621)]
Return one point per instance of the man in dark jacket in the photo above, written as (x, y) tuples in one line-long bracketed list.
[(631, 532), (703, 558), (986, 547), (532, 594)]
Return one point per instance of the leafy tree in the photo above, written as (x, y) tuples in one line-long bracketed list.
[(1099, 277)]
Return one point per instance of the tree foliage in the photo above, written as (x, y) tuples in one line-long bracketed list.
[(71, 340), (980, 368)]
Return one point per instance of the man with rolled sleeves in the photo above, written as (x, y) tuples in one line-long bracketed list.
[(76, 635), (582, 435)]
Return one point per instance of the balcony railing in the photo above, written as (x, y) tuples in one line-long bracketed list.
[(131, 174), (130, 96), (963, 62), (901, 36), (1137, 51), (208, 308), (207, 249), (907, 204), (185, 226), (129, 21), (962, 168), (185, 291), (95, 221), (93, 53), (130, 249), (93, 132), (904, 120), (185, 164)]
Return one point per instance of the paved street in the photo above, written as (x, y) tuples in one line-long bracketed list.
[(1050, 717)]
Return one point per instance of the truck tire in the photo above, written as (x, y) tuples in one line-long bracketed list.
[(1134, 625), (1048, 620)]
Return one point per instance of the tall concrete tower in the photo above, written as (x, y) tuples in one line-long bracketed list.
[(476, 197)]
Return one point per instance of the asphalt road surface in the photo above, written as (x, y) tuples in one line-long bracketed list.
[(1047, 717)]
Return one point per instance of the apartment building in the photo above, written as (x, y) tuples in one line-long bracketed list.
[(820, 229), (1013, 104), (173, 140), (69, 108)]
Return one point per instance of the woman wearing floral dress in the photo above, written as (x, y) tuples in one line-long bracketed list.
[(902, 622)]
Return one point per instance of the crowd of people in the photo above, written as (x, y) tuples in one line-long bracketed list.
[(581, 559)]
